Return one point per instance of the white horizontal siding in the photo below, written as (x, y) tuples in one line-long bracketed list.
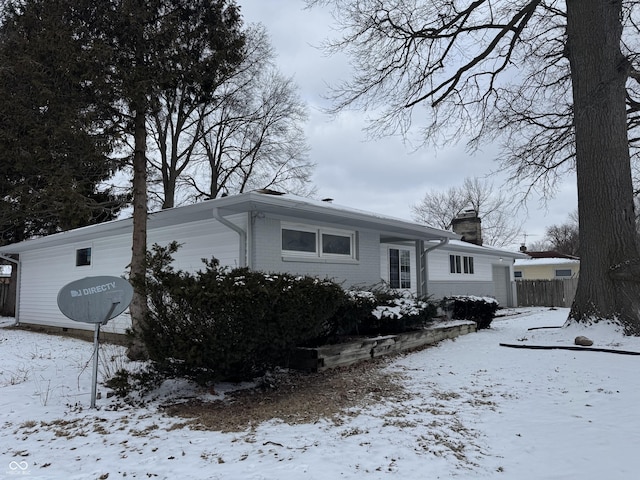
[(440, 289), (205, 239), (46, 270), (438, 267), (267, 256)]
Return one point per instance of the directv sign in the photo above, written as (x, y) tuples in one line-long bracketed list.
[(95, 299), (93, 290)]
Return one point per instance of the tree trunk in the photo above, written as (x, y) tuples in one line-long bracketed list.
[(169, 191), (138, 307), (605, 193)]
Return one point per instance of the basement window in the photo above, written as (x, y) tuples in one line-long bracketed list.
[(83, 257)]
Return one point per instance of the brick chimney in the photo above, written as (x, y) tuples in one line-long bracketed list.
[(469, 226)]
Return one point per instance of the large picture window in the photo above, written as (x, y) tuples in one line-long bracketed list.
[(399, 268), (298, 240), (336, 244), (301, 240)]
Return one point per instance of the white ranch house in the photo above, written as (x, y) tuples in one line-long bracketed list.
[(270, 233)]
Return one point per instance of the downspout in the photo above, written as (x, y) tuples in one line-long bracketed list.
[(242, 251), (18, 271), (423, 281)]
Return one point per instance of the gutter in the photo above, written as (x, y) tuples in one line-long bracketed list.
[(242, 251), (443, 241), (424, 280), (18, 272)]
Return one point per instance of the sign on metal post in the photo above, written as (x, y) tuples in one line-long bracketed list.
[(95, 300)]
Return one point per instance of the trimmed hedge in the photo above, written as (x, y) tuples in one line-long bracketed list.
[(481, 310), (230, 324), (235, 324), (382, 310)]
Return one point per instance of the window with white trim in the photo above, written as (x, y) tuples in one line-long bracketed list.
[(461, 264), (399, 268), (305, 241), (299, 241), (336, 244), (517, 274)]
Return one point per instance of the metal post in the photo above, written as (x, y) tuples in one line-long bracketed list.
[(96, 346)]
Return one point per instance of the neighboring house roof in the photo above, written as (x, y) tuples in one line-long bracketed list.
[(546, 261), (305, 209), (551, 254)]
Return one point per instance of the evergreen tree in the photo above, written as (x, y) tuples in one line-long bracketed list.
[(117, 57), (150, 47), (54, 139)]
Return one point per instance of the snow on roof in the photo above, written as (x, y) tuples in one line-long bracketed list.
[(545, 261)]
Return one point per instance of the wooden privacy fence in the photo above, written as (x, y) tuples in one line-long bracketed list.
[(546, 293)]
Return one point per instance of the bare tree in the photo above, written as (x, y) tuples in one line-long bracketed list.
[(538, 246), (173, 127), (254, 138), (439, 208), (249, 134), (496, 210), (565, 238), (552, 74)]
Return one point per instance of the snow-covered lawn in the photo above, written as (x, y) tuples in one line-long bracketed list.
[(474, 409)]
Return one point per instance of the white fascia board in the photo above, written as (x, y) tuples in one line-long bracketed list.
[(287, 205), (461, 246)]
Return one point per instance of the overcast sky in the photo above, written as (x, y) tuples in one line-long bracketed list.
[(383, 176)]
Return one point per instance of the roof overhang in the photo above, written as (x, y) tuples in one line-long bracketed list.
[(466, 247), (307, 210), (289, 206)]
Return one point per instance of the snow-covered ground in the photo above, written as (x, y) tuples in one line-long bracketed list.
[(478, 410)]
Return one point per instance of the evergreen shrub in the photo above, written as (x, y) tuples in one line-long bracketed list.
[(355, 310), (234, 324), (230, 324), (400, 311), (382, 310), (481, 310)]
